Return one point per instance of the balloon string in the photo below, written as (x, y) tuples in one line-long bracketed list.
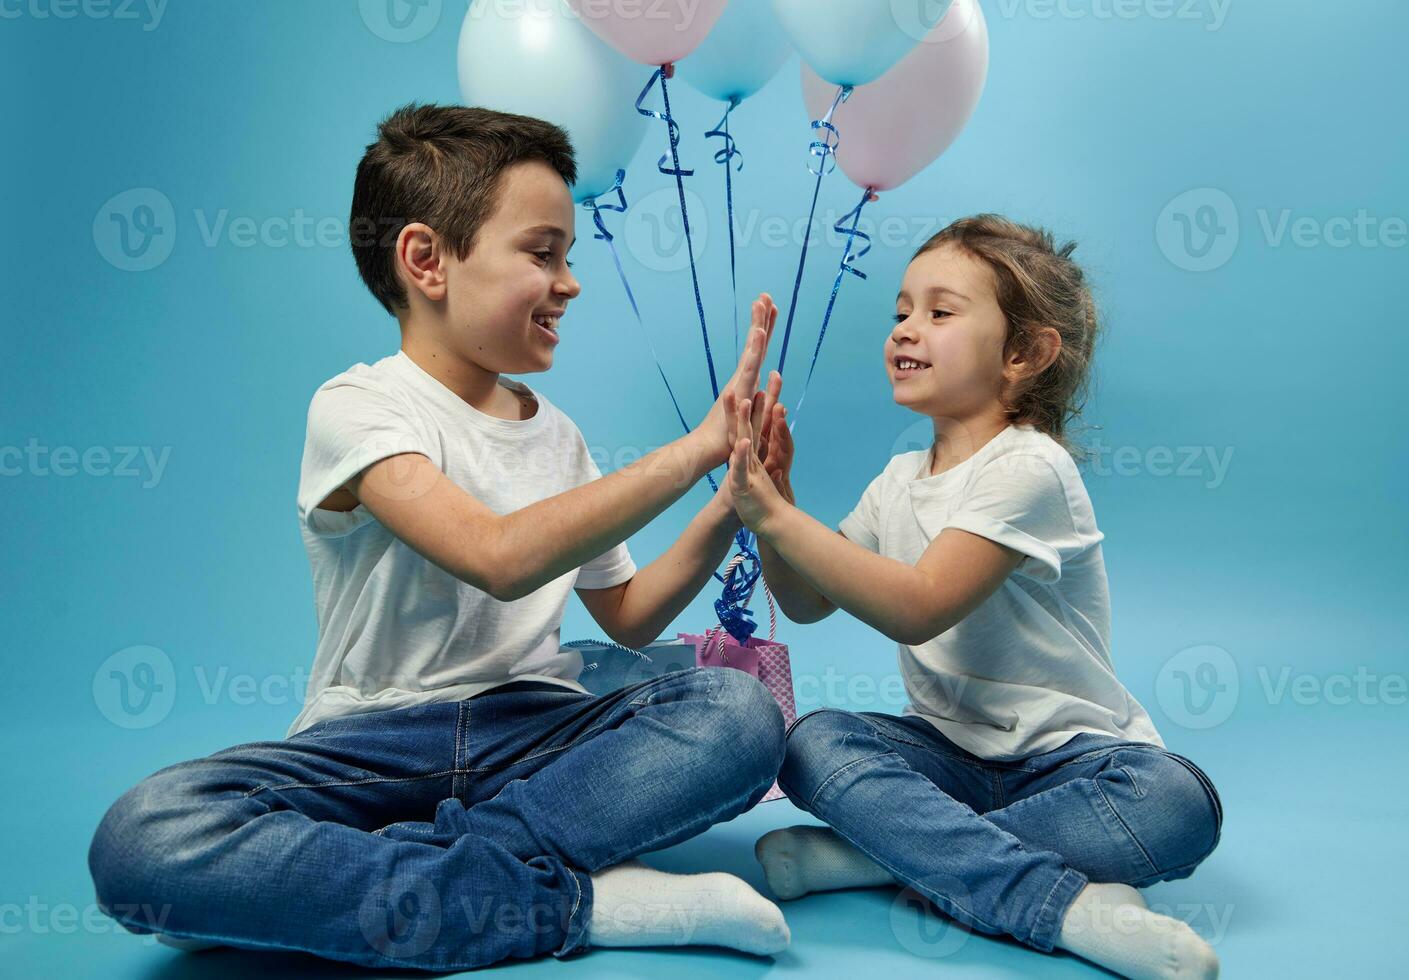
[(604, 235), (826, 149), (848, 257), (723, 156), (661, 74)]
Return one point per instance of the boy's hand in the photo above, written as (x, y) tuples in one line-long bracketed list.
[(756, 499), (764, 405), (714, 432)]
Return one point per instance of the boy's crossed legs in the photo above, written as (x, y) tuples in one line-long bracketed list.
[(454, 835), (1002, 847)]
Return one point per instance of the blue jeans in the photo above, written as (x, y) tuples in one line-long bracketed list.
[(1002, 847), (442, 836)]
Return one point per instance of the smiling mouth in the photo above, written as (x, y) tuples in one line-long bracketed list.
[(908, 365)]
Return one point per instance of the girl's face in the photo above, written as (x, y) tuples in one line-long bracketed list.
[(944, 356)]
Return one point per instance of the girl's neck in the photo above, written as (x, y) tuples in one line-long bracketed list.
[(955, 440)]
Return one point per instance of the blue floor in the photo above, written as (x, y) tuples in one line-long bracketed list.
[(1304, 884)]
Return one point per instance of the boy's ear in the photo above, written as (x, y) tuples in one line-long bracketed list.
[(418, 260)]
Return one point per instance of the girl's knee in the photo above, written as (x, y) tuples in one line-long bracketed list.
[(1181, 818), (815, 750)]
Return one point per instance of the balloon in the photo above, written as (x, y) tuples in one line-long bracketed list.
[(896, 126), (653, 32), (852, 42), (745, 49), (538, 59)]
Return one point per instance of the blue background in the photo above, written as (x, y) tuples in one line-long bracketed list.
[(1287, 356)]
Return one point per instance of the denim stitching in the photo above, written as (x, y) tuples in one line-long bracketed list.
[(1124, 826), (1048, 901), (761, 789), (849, 765), (980, 764)]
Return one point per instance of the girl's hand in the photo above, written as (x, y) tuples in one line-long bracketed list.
[(776, 449), (765, 403), (755, 497)]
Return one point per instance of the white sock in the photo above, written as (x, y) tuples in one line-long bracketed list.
[(1110, 925), (799, 860), (634, 905)]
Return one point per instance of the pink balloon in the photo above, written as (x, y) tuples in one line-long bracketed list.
[(653, 32), (894, 127)]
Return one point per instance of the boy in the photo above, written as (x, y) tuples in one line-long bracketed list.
[(449, 796)]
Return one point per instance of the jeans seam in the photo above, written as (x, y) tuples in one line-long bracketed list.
[(1042, 913), (850, 765), (1124, 826), (928, 747), (351, 782), (620, 856)]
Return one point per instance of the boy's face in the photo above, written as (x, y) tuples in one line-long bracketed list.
[(516, 275), (948, 319)]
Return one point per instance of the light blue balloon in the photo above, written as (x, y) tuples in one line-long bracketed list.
[(744, 50), (537, 58), (852, 42)]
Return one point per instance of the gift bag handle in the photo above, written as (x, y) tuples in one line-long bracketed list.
[(718, 631)]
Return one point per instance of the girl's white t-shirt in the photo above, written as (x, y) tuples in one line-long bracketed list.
[(1030, 667), (394, 629)]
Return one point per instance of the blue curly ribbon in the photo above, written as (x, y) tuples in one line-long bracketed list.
[(603, 234), (724, 156), (826, 149), (848, 257), (661, 74), (743, 537)]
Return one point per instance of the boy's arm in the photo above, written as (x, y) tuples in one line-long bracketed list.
[(636, 612), (512, 555)]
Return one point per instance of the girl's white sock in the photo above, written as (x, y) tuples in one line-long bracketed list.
[(1110, 925), (799, 860), (634, 905)]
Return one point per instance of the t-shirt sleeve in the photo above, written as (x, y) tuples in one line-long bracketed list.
[(1021, 501), (350, 427), (615, 565), (863, 524)]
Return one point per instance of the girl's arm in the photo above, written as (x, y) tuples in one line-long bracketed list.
[(909, 603), (799, 601)]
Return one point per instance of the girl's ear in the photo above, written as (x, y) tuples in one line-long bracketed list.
[(1037, 355)]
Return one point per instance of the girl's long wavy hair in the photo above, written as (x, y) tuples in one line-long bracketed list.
[(1038, 285)]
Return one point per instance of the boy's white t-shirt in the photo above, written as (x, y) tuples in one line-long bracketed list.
[(394, 629), (1030, 667)]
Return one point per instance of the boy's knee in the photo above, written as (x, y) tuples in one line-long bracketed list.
[(752, 721), (137, 851)]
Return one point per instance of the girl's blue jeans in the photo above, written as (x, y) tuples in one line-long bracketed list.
[(1002, 847), (443, 836)]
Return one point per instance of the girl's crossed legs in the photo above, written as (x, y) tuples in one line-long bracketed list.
[(1003, 847)]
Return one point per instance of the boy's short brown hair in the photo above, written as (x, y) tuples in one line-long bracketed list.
[(441, 166)]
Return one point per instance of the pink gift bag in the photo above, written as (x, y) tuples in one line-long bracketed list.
[(765, 659)]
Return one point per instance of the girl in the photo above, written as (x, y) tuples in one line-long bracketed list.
[(1023, 790)]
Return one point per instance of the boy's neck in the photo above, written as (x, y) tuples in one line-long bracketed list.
[(477, 387)]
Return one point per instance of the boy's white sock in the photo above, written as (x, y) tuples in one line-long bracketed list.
[(1110, 925), (634, 905), (799, 860)]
